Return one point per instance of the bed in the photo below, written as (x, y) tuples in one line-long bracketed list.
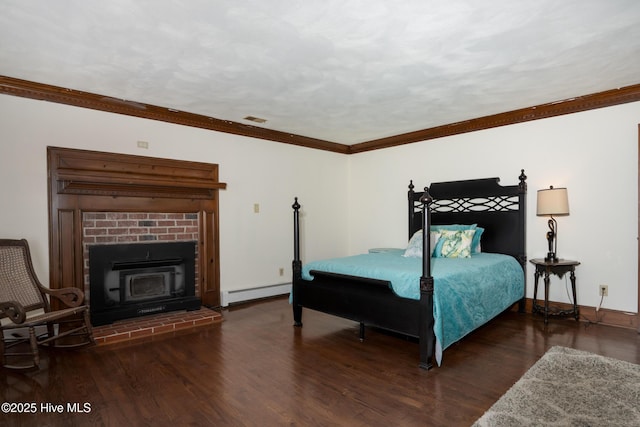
[(427, 297)]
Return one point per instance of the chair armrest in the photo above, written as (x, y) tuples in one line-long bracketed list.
[(14, 311), (71, 297)]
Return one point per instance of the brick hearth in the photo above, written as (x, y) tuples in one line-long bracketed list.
[(141, 327)]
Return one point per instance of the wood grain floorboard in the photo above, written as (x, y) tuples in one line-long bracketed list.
[(256, 369)]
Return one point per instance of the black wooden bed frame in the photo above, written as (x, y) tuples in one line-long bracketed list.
[(500, 210)]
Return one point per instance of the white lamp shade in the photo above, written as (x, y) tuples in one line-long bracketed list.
[(553, 201)]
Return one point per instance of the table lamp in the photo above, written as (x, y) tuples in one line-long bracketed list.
[(553, 201)]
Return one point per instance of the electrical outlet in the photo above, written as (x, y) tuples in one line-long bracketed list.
[(604, 290), (281, 271)]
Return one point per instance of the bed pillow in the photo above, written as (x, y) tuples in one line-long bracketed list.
[(475, 245), (476, 248), (454, 227), (454, 243), (414, 248)]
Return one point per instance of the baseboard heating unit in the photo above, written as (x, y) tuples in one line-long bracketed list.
[(243, 295)]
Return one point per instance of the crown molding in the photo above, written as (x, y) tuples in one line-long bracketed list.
[(568, 106), (60, 95), (33, 90)]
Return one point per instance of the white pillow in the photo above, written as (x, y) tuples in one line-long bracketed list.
[(414, 248)]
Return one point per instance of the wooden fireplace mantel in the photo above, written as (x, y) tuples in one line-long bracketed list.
[(81, 180)]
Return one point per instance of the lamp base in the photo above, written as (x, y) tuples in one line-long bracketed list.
[(551, 257)]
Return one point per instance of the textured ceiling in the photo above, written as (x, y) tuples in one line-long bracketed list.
[(346, 71)]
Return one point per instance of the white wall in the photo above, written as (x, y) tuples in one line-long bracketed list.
[(352, 203), (253, 247), (594, 154)]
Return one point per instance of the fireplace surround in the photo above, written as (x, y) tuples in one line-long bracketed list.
[(136, 279), (90, 181)]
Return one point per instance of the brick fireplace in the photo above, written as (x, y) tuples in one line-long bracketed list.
[(107, 198), (108, 228), (130, 236)]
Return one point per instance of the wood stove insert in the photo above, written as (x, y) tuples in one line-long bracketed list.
[(137, 279)]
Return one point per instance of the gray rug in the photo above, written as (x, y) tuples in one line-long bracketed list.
[(568, 387)]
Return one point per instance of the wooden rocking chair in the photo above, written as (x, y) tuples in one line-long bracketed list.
[(25, 302)]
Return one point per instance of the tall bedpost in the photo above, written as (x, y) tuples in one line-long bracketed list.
[(522, 250), (427, 337), (411, 208), (296, 265)]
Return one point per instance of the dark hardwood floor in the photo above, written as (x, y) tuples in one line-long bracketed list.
[(256, 369)]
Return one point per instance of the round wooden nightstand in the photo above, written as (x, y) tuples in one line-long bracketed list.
[(559, 269)]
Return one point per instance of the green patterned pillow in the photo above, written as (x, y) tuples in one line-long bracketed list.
[(455, 243), (475, 245)]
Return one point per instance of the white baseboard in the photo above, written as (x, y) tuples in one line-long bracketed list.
[(242, 295)]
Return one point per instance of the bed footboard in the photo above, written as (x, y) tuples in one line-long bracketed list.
[(369, 302)]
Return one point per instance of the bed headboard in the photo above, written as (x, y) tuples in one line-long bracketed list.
[(500, 210)]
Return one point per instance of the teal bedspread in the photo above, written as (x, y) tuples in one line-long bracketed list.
[(468, 292)]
